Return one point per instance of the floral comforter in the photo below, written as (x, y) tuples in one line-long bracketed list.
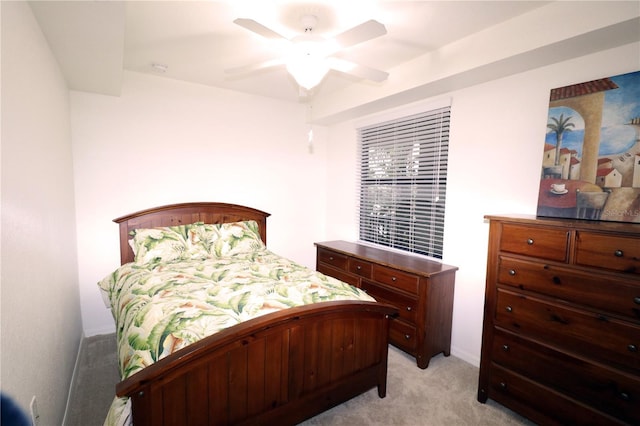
[(162, 307)]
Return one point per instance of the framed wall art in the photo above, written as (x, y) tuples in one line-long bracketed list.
[(591, 162)]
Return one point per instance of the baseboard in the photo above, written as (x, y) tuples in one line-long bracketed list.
[(72, 386), (466, 356), (99, 331)]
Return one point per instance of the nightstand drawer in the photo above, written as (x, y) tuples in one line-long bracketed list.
[(597, 291), (604, 251), (332, 258), (545, 243), (396, 279), (407, 306)]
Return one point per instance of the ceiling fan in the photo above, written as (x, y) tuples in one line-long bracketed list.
[(310, 56)]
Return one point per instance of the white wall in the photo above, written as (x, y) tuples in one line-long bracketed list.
[(496, 140), (41, 324), (164, 141)]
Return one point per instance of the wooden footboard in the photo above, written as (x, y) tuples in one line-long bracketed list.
[(280, 368)]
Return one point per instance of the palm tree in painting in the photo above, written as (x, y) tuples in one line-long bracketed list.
[(559, 127)]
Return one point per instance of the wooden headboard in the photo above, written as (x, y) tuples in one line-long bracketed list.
[(182, 214)]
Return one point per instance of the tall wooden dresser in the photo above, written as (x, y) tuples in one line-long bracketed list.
[(421, 289), (561, 334)]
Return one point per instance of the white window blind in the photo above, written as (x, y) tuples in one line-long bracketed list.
[(403, 182)]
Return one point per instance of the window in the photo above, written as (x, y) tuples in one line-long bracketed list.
[(403, 181)]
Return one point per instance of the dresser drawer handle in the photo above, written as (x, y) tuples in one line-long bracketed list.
[(508, 309), (358, 267), (407, 336), (393, 279), (618, 253), (505, 348), (512, 272), (632, 348), (530, 241), (331, 258), (408, 308), (503, 385), (624, 396), (636, 300)]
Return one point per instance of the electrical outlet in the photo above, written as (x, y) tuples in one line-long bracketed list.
[(35, 416)]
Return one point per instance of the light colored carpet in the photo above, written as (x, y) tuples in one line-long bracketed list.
[(95, 381), (443, 394)]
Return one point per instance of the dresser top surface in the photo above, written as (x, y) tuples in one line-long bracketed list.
[(632, 229), (410, 262)]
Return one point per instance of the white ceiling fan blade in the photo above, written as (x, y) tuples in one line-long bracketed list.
[(254, 67), (359, 33), (357, 70), (257, 28)]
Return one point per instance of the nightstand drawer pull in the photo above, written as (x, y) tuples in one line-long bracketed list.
[(618, 253), (636, 300), (407, 336), (359, 268), (505, 348), (530, 241), (624, 396), (503, 385), (409, 308), (508, 309), (632, 348), (393, 279), (512, 272)]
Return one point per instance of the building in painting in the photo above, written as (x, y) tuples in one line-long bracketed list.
[(608, 178)]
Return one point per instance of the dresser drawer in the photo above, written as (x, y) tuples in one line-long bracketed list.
[(360, 267), (598, 291), (581, 332), (407, 306), (611, 252), (403, 335), (544, 243), (609, 390), (518, 392), (395, 278), (332, 258), (338, 274)]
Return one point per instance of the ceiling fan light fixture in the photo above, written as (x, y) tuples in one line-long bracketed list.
[(308, 63), (307, 71)]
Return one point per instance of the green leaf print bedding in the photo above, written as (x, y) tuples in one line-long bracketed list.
[(160, 308)]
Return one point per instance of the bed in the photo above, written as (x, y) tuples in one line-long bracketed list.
[(287, 360)]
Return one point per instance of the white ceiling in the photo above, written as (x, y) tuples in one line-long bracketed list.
[(95, 41)]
